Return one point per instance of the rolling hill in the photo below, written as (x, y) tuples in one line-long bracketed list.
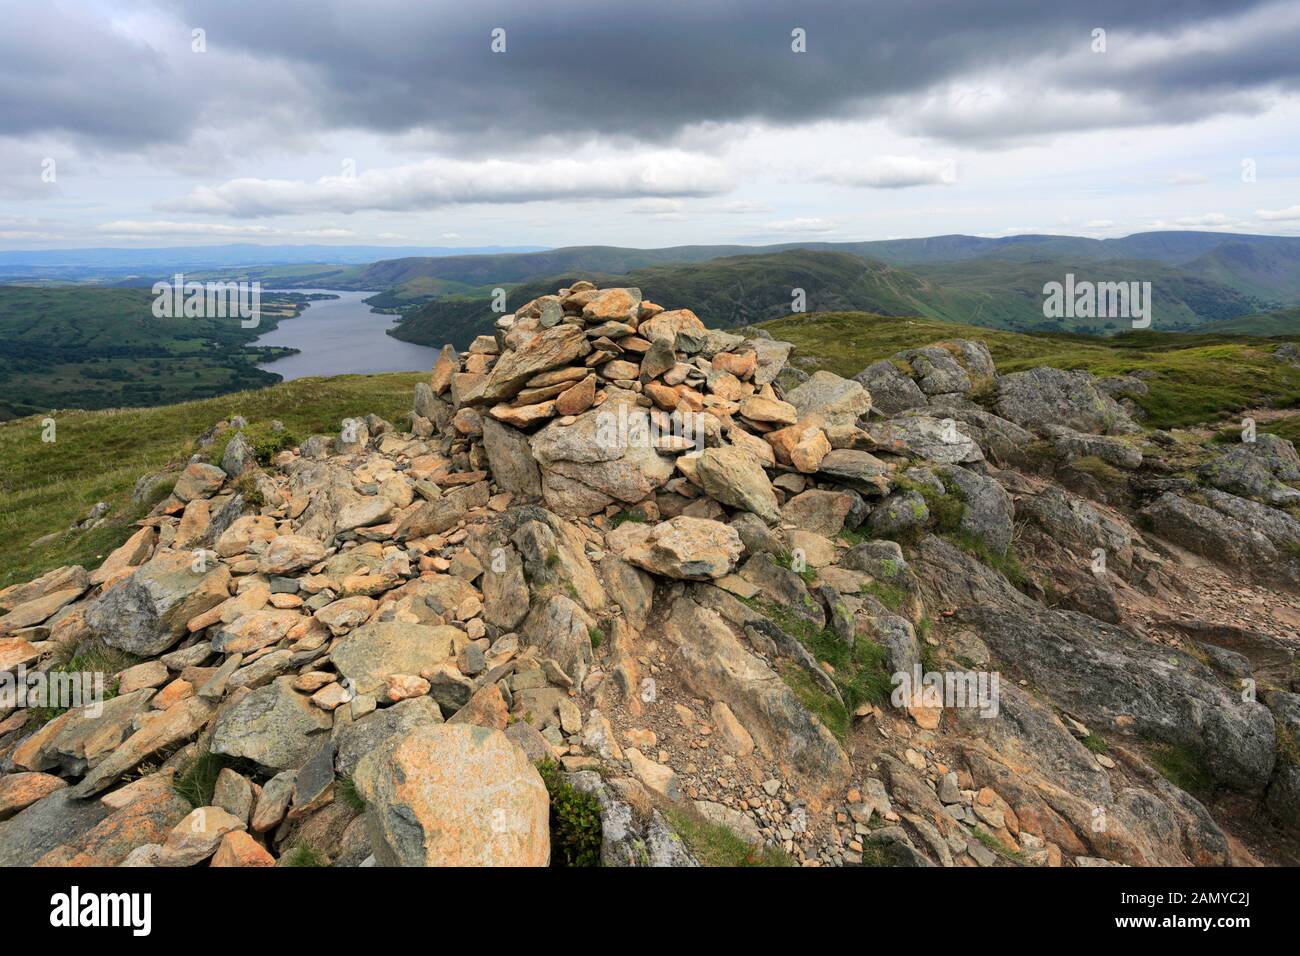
[(742, 290), (724, 292), (1277, 324), (87, 347), (1247, 263)]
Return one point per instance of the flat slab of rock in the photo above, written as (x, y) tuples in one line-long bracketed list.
[(374, 652), (146, 614), (275, 726), (455, 795)]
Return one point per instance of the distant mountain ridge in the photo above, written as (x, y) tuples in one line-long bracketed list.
[(746, 289), (230, 255), (1170, 248)]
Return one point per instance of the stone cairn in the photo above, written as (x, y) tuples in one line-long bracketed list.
[(610, 402)]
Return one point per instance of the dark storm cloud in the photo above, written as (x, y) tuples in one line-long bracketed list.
[(647, 69), (644, 69), (65, 70)]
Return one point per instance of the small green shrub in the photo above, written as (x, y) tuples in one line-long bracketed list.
[(575, 820), (992, 843), (264, 442), (861, 673), (246, 485), (890, 595), (597, 636), (199, 780), (95, 658), (1288, 748)]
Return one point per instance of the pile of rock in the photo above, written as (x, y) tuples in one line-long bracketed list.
[(611, 402)]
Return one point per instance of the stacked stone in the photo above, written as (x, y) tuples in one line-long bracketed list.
[(696, 418)]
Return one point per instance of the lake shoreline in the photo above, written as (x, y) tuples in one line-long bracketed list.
[(339, 335)]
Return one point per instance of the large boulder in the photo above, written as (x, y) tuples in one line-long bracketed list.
[(716, 666), (376, 728), (274, 726), (60, 579), (860, 470), (1052, 396), (1114, 680), (933, 439), (734, 477), (696, 549), (53, 821), (510, 458), (936, 370), (454, 795), (891, 391), (1234, 531), (146, 614), (374, 652), (1257, 470), (606, 455), (839, 401), (987, 512), (770, 355), (561, 630)]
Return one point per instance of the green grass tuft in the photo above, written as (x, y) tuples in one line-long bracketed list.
[(199, 780), (1096, 743), (95, 658), (1183, 768), (303, 855), (861, 672), (716, 846), (346, 789)]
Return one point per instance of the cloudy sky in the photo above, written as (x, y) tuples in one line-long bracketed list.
[(430, 122)]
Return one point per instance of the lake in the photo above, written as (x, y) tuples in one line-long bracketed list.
[(341, 336)]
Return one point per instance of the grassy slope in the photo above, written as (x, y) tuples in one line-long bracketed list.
[(1279, 323), (99, 455), (1005, 294)]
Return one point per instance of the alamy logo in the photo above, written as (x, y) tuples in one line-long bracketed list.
[(208, 300), (976, 690), (70, 690), (74, 909), (1098, 300)]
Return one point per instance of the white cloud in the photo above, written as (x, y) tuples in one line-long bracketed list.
[(892, 172), (1207, 219), (443, 182), (132, 228), (1289, 214), (740, 207), (1188, 179), (801, 226)]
